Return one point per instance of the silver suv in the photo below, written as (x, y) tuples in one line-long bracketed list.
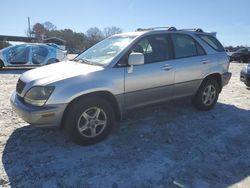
[(85, 96)]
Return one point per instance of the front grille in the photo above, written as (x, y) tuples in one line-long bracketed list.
[(19, 86)]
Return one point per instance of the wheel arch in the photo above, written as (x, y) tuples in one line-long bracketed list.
[(108, 96), (216, 76)]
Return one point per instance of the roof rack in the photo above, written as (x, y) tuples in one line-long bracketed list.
[(155, 28), (193, 29), (170, 29)]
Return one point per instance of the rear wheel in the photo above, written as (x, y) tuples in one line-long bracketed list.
[(89, 120), (207, 95)]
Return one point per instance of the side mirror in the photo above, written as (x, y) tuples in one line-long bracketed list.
[(136, 58)]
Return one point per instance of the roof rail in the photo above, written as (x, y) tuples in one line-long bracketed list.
[(170, 29), (193, 29), (155, 28)]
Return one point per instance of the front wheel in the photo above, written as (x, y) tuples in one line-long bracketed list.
[(89, 120), (207, 95)]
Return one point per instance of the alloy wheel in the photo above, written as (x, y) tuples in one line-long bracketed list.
[(209, 95), (92, 122)]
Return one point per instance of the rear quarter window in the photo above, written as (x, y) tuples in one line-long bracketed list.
[(213, 42)]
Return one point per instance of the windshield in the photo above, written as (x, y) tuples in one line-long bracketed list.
[(105, 51)]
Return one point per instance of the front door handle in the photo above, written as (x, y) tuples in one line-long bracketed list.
[(166, 67), (204, 61)]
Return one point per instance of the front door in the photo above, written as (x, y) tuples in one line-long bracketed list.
[(19, 55), (152, 81)]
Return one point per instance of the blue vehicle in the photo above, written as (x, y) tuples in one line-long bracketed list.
[(30, 55)]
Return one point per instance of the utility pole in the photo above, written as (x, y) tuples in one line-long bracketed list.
[(29, 26)]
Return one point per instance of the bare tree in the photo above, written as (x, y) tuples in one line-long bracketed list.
[(108, 31), (94, 35), (49, 26)]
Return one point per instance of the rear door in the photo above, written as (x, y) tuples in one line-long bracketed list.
[(39, 54), (152, 81), (191, 63)]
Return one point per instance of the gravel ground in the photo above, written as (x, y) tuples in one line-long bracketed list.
[(172, 145)]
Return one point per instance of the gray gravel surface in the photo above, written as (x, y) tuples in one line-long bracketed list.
[(172, 145)]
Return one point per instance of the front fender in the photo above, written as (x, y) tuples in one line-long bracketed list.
[(71, 88)]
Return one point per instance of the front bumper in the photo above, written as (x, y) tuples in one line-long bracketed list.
[(225, 78), (45, 116), (245, 77)]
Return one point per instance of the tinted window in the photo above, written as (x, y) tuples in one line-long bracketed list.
[(200, 50), (213, 42), (154, 48), (185, 46), (39, 54)]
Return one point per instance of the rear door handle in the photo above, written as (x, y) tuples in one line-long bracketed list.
[(167, 67), (204, 61)]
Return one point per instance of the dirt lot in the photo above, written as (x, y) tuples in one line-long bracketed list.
[(172, 145)]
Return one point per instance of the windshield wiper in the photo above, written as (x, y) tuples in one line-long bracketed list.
[(80, 60)]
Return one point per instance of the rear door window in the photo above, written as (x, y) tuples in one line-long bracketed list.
[(185, 46)]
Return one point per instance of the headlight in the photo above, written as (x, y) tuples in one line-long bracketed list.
[(38, 95)]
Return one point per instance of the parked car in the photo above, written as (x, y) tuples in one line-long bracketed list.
[(242, 55), (87, 95), (245, 75), (30, 55), (229, 53), (73, 51)]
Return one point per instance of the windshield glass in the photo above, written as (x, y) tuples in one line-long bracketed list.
[(105, 51)]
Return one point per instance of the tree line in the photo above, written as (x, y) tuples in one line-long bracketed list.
[(74, 40)]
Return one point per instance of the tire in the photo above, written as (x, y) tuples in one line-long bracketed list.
[(82, 119), (205, 98)]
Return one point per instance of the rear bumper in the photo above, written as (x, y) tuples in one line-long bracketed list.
[(45, 116), (225, 78)]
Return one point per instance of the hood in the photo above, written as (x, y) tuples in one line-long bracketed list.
[(57, 71)]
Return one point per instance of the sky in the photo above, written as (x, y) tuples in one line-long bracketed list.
[(229, 18)]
